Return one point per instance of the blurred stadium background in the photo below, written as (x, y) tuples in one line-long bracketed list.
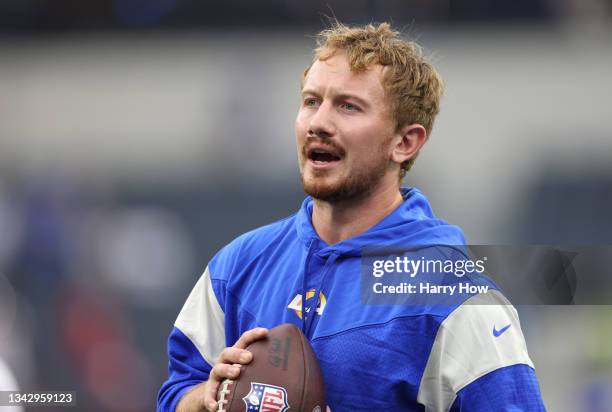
[(138, 137)]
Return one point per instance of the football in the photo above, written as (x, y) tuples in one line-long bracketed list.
[(284, 375)]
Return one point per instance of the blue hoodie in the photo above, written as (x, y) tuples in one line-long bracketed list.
[(383, 357)]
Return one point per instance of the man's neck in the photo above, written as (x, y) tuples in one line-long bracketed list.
[(338, 221)]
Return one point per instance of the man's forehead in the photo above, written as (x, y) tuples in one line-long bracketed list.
[(335, 73)]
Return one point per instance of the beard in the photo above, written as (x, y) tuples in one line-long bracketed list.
[(360, 182)]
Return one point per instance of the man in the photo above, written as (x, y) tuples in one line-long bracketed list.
[(368, 103)]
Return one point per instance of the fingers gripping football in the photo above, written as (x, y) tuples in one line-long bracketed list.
[(283, 375), (250, 336), (229, 363)]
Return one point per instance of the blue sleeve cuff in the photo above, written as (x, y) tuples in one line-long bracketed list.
[(511, 389)]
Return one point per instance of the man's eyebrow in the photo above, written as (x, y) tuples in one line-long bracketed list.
[(350, 96), (308, 91), (339, 95)]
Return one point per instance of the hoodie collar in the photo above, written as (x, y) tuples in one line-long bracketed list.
[(411, 223)]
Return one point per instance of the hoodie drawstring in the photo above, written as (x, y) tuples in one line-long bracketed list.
[(311, 247), (310, 312)]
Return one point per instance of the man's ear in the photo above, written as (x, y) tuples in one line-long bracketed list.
[(411, 138)]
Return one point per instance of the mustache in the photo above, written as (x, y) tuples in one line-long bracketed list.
[(332, 145)]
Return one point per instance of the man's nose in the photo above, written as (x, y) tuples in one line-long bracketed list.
[(322, 122)]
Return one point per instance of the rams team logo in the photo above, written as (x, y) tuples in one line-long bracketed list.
[(296, 303), (266, 398)]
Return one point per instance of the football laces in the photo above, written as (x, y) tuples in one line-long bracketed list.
[(223, 392)]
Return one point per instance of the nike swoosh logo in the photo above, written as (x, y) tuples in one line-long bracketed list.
[(496, 332)]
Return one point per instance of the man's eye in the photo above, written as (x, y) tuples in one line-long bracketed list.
[(350, 107), (310, 102)]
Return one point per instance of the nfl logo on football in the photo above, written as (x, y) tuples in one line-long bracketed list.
[(266, 398)]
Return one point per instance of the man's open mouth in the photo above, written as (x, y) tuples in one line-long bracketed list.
[(322, 156)]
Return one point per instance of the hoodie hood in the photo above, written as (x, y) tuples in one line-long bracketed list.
[(412, 223)]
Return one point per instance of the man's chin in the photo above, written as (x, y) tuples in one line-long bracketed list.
[(339, 189), (321, 188), (322, 192), (331, 191)]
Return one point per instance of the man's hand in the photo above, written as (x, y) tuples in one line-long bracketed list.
[(203, 397)]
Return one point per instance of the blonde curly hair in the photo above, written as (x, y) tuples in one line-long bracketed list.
[(413, 85)]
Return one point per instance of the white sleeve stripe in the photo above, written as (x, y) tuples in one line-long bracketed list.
[(466, 349), (202, 320)]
